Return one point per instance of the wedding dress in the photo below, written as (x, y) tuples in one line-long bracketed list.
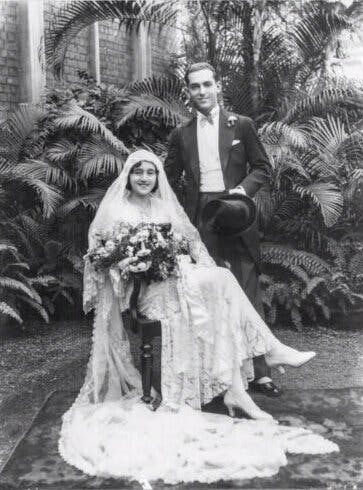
[(208, 325)]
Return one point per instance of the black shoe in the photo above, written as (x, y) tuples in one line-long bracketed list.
[(269, 389)]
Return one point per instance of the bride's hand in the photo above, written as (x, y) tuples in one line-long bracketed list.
[(125, 263)]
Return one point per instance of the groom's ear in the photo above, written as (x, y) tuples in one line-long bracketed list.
[(219, 86)]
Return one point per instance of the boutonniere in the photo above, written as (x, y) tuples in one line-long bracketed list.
[(231, 121)]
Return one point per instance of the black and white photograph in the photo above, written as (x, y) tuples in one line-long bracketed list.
[(181, 244)]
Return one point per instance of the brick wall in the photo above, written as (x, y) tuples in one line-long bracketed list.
[(77, 53), (9, 54), (116, 52), (163, 44)]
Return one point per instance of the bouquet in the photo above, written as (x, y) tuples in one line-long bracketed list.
[(147, 249)]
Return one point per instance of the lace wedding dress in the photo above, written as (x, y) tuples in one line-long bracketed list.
[(208, 326)]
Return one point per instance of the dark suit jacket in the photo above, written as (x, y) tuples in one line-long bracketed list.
[(244, 163)]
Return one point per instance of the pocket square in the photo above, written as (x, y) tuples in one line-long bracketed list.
[(235, 142)]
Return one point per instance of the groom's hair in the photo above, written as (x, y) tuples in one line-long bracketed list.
[(136, 165), (198, 67)]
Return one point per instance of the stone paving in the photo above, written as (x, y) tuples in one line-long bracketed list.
[(322, 385)]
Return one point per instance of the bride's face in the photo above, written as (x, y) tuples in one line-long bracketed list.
[(143, 178)]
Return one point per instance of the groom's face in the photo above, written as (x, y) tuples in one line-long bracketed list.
[(203, 90)]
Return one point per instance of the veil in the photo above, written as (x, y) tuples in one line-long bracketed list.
[(114, 208), (111, 207), (111, 374)]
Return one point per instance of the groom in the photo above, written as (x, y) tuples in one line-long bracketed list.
[(219, 153)]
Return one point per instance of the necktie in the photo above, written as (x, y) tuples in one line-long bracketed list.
[(208, 119)]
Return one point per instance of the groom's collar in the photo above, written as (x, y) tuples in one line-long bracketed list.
[(212, 113), (222, 113)]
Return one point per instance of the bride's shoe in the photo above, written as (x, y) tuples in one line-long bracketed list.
[(284, 355), (245, 403)]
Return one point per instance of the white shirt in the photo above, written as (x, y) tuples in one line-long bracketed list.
[(211, 176)]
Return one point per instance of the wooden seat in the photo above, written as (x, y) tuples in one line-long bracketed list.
[(147, 330)]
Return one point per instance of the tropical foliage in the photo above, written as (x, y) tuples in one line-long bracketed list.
[(57, 161)]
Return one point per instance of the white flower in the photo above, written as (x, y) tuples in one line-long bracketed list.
[(134, 239), (161, 240), (143, 234), (110, 246), (143, 252)]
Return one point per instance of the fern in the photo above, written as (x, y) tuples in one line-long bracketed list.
[(9, 283), (284, 254), (312, 284), (37, 307), (296, 318), (45, 280), (6, 309)]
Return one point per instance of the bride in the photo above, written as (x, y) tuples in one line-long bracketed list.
[(210, 334)]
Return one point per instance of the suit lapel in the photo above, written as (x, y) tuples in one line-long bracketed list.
[(191, 145), (226, 136)]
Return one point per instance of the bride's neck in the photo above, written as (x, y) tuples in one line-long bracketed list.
[(140, 201)]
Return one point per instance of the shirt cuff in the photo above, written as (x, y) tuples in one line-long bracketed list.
[(242, 188)]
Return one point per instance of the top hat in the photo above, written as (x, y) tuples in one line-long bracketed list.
[(230, 214)]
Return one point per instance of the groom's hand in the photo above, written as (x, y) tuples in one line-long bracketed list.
[(238, 190)]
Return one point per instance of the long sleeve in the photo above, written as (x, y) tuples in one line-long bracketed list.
[(257, 158), (173, 164)]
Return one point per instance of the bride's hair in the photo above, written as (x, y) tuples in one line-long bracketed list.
[(138, 164)]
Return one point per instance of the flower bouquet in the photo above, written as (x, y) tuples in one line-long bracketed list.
[(147, 249)]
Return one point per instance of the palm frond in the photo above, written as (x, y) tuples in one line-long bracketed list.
[(74, 117), (90, 200), (351, 148), (156, 97), (318, 25), (327, 134), (282, 134), (238, 94), (322, 103), (32, 175), (15, 131), (61, 151), (52, 174), (74, 17), (98, 158), (8, 247), (326, 197), (150, 106)]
